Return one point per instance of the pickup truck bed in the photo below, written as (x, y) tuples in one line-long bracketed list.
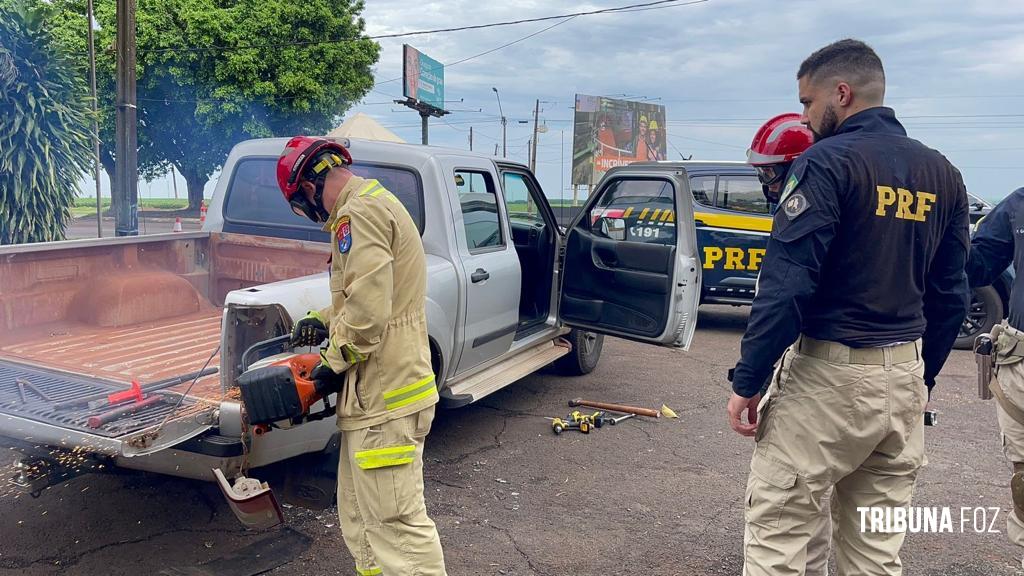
[(148, 351), (85, 318)]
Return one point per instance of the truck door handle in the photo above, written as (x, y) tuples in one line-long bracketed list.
[(480, 275), (699, 223)]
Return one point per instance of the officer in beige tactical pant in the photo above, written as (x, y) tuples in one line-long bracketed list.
[(854, 441), (376, 332), (1007, 387), (998, 242), (863, 287)]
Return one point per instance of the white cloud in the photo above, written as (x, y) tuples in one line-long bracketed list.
[(720, 59)]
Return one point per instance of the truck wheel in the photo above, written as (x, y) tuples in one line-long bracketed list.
[(586, 352), (985, 312)]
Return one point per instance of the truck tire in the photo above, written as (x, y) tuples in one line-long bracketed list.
[(985, 312), (586, 352)]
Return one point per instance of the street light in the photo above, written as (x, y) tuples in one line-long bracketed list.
[(504, 142)]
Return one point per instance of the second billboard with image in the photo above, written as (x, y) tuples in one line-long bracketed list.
[(610, 132)]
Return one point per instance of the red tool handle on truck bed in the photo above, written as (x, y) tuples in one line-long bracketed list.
[(133, 393)]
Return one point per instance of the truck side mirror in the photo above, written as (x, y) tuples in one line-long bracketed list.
[(614, 228)]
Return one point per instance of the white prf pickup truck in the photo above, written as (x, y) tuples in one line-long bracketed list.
[(509, 292)]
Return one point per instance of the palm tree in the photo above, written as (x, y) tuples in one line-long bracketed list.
[(44, 128)]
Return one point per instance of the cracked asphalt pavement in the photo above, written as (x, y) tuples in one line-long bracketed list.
[(644, 497)]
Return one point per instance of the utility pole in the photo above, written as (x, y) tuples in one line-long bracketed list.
[(470, 138), (95, 124), (533, 153), (504, 122), (426, 111), (561, 172), (126, 221)]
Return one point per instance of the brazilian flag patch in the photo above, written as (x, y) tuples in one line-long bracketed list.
[(791, 185), (344, 234)]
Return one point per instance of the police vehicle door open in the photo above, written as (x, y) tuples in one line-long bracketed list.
[(631, 266)]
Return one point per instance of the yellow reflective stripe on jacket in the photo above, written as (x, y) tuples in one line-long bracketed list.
[(404, 396), (368, 571), (371, 186), (375, 189), (352, 355), (384, 457), (327, 362)]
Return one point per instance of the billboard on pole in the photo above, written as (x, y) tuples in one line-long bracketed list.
[(611, 133), (422, 77)]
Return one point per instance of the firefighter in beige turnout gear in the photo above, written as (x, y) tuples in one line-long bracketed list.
[(377, 339)]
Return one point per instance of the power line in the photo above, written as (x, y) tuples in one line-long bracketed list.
[(418, 125), (518, 40), (902, 117), (674, 3), (662, 4), (712, 142), (984, 149), (791, 99)]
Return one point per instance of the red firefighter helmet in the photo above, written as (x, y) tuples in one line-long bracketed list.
[(776, 144), (309, 158), (297, 159)]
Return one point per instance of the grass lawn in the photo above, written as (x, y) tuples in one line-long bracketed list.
[(87, 206)]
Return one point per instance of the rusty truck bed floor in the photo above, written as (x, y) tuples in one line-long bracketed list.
[(148, 352)]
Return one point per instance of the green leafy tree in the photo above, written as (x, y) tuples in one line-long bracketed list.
[(212, 73), (44, 127)]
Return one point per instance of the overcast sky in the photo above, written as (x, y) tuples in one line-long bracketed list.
[(720, 68), (955, 73)]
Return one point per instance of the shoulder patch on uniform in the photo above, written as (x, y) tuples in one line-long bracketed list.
[(796, 205), (791, 185), (344, 234)]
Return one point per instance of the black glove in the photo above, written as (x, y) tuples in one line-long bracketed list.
[(310, 330), (325, 380)]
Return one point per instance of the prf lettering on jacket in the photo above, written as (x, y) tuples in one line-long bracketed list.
[(734, 258), (909, 206)]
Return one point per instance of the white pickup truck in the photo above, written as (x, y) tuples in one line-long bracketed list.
[(509, 292)]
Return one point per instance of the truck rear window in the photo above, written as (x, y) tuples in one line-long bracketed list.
[(254, 201)]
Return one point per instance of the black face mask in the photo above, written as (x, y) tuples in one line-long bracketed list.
[(315, 211), (772, 174)]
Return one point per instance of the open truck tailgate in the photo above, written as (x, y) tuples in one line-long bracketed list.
[(29, 413), (55, 368)]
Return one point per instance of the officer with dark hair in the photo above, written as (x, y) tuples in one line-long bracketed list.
[(999, 242), (863, 287)]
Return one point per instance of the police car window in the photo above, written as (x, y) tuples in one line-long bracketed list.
[(703, 189), (976, 203), (636, 210), (518, 203), (254, 198), (742, 194), (479, 204)]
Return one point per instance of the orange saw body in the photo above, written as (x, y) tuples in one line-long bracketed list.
[(280, 388)]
